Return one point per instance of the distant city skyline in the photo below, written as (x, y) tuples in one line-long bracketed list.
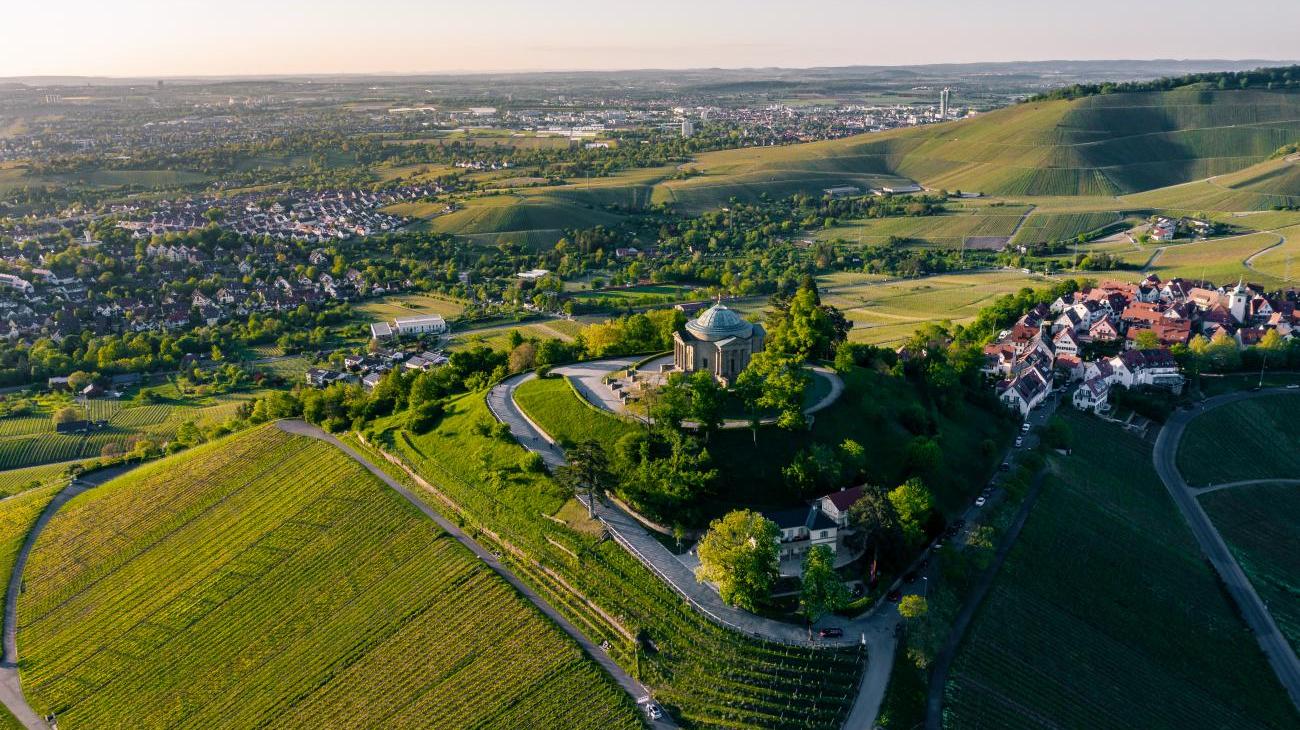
[(152, 38)]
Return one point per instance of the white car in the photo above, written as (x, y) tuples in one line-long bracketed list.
[(654, 712), (979, 501), (1024, 428), (1020, 441)]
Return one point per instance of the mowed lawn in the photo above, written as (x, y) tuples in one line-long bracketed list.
[(268, 579), (1251, 439), (565, 417), (1261, 524), (1105, 614)]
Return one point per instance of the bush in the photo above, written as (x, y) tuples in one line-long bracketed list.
[(424, 417), (531, 462)]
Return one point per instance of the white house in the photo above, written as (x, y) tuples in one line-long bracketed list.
[(836, 504), (424, 324), (1092, 395)]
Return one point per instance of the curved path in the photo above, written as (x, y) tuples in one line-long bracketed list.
[(1276, 648), (588, 379), (1248, 483), (634, 688), (11, 691), (875, 629)]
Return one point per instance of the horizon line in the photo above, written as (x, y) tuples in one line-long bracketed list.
[(645, 69)]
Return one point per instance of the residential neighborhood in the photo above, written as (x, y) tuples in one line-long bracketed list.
[(1116, 334)]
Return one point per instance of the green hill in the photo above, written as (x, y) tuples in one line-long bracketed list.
[(1099, 145), (268, 579)]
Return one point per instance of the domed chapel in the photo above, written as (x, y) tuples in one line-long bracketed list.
[(718, 341)]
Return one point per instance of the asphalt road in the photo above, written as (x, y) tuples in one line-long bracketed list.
[(1275, 646)]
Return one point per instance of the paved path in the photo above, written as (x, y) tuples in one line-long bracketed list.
[(630, 685), (1276, 648), (1248, 483), (589, 380), (875, 628), (11, 692)]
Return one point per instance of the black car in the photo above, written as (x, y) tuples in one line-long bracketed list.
[(959, 523), (831, 633), (894, 596), (909, 577)]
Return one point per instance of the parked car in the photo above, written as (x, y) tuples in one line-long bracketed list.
[(1024, 428), (979, 501), (1020, 441), (1004, 466), (831, 633), (958, 524), (894, 596), (909, 577), (654, 712)]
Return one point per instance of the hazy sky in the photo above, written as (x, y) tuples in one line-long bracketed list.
[(188, 37)]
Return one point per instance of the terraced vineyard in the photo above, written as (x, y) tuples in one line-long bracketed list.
[(705, 675), (1261, 524), (1105, 614), (949, 230), (1205, 458), (268, 579)]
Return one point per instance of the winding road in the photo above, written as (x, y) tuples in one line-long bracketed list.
[(11, 691), (876, 628), (1281, 656)]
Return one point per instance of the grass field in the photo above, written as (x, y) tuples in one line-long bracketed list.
[(1251, 439), (889, 312), (409, 305), (1261, 524), (553, 405), (705, 675), (269, 579), (1105, 614), (1219, 259)]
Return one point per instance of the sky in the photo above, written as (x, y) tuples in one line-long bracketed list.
[(267, 37)]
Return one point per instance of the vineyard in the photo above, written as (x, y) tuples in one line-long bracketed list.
[(17, 515), (269, 579), (1203, 460), (1255, 521), (14, 481), (706, 675), (1106, 582), (1050, 227), (30, 440)]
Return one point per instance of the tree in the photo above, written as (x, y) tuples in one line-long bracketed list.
[(822, 591), (913, 606), (912, 502), (707, 399), (1146, 340), (739, 554), (67, 414), (875, 520), (587, 472), (522, 357)]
